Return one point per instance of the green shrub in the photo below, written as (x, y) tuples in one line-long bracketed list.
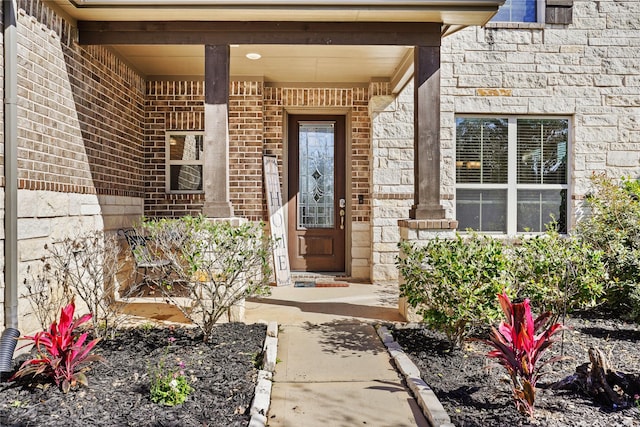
[(453, 283), (613, 226), (558, 274)]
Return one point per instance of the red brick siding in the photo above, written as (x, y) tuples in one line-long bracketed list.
[(246, 134), (169, 106), (356, 99), (80, 119)]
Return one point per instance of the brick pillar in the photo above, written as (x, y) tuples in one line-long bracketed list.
[(216, 133)]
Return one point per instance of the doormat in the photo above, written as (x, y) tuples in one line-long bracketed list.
[(308, 284)]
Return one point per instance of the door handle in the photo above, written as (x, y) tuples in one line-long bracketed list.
[(343, 204)]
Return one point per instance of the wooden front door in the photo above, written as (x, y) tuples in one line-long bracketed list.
[(317, 202)]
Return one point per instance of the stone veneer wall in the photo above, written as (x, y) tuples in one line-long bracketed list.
[(587, 70), (80, 132), (391, 176)]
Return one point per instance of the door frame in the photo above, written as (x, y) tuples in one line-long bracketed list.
[(348, 178)]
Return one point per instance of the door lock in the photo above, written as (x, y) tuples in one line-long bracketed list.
[(343, 204)]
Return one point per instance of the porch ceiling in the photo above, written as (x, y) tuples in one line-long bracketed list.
[(315, 64)]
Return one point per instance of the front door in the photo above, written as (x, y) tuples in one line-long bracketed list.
[(317, 202)]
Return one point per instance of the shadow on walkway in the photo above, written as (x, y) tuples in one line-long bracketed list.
[(337, 308)]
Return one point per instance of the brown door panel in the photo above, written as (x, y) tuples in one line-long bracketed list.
[(316, 229)]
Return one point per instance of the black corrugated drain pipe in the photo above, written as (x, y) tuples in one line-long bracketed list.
[(7, 346)]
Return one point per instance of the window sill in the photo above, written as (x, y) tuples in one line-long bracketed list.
[(515, 25)]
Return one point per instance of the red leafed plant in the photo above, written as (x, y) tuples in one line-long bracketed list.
[(519, 345), (62, 353)]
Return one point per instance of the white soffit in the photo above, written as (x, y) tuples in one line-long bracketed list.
[(281, 63)]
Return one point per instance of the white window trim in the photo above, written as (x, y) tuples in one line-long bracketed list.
[(512, 186), (541, 12), (169, 162)]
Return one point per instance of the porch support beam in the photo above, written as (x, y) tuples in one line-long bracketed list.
[(252, 32), (216, 132), (427, 134)]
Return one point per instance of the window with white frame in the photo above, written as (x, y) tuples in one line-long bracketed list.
[(519, 11), (184, 162), (511, 174)]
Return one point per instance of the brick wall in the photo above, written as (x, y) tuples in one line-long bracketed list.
[(255, 127), (246, 134), (587, 70), (169, 106), (356, 100), (80, 111), (80, 138)]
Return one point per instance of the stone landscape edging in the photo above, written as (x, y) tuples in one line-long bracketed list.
[(426, 398), (262, 396)]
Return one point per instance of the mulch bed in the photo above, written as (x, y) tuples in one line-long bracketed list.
[(476, 393), (222, 373)]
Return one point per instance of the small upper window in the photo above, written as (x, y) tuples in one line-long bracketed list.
[(184, 162), (517, 11)]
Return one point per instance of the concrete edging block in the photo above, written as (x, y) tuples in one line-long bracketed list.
[(270, 354), (262, 396), (426, 398)]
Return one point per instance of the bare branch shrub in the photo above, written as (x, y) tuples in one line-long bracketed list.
[(85, 265), (214, 265), (46, 293)]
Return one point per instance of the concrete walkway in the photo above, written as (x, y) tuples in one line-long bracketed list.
[(333, 370)]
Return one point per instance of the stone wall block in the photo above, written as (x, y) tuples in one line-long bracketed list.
[(51, 204), (521, 80), (30, 228), (623, 158)]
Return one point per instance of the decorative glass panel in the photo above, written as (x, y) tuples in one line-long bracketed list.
[(316, 176), (542, 151), (186, 177), (482, 210), (516, 11), (481, 151), (537, 208)]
